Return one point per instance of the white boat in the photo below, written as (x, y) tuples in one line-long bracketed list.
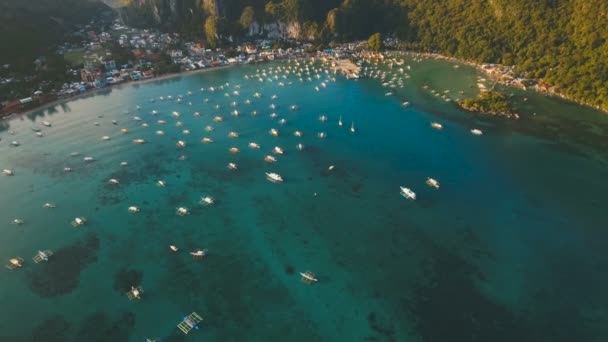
[(352, 127), (124, 163), (407, 193), (8, 172), (206, 140), (436, 125), (15, 143), (79, 221), (308, 277), (181, 211), (161, 183), (161, 122), (388, 94), (476, 132), (206, 200), (274, 132), (322, 135), (274, 177), (139, 141), (218, 119), (405, 104), (175, 114), (113, 181), (233, 135), (277, 150), (48, 205), (88, 159), (270, 159), (180, 144), (105, 138), (46, 123), (133, 209), (173, 248), (300, 147), (331, 167), (160, 133), (199, 253), (136, 118), (322, 118), (124, 131), (232, 166), (297, 134), (74, 154), (234, 150), (18, 222), (254, 145), (209, 128), (282, 121), (340, 121), (67, 169), (432, 183), (186, 132)]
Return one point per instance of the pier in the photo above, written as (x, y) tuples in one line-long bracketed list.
[(346, 67)]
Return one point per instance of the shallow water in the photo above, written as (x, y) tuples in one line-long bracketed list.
[(510, 248)]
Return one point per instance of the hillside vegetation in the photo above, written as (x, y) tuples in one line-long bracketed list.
[(561, 42)]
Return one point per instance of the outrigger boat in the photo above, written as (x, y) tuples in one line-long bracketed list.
[(139, 141), (113, 181), (232, 166), (180, 144), (277, 150), (133, 209), (199, 253), (407, 193), (436, 125), (270, 159), (8, 172), (15, 262), (297, 134), (432, 183), (308, 277), (42, 256), (160, 183), (135, 292), (254, 145), (476, 132), (274, 132), (207, 200), (233, 135), (79, 221), (18, 222), (181, 211), (48, 205), (206, 140), (234, 150), (189, 322), (274, 177)]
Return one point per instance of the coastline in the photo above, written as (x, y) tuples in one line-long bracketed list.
[(94, 91), (500, 77)]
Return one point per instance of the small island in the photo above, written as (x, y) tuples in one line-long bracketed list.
[(488, 102)]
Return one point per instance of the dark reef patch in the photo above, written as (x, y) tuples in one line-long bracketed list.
[(53, 329), (100, 327), (61, 274)]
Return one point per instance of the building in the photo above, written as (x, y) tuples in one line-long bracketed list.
[(87, 76), (109, 65)]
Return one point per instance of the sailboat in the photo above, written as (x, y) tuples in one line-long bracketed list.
[(340, 121)]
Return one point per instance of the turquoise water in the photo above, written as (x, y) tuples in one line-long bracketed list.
[(510, 248)]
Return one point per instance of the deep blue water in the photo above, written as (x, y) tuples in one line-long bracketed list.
[(510, 248)]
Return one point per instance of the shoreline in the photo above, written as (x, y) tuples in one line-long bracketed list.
[(94, 91), (499, 78)]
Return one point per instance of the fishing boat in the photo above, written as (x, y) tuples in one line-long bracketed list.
[(274, 177), (42, 256), (180, 144), (161, 122), (199, 253), (206, 140), (79, 221), (432, 183), (189, 323), (207, 200), (15, 143), (8, 172), (175, 114), (352, 127), (308, 277), (254, 145), (139, 141), (186, 132), (135, 292), (233, 135), (159, 132), (14, 263), (209, 129), (88, 159), (18, 222), (105, 138), (300, 147), (181, 211), (46, 123), (48, 205), (67, 169), (297, 134), (218, 119), (407, 193), (340, 121), (277, 150), (232, 166), (436, 125), (113, 181), (124, 131), (476, 132), (322, 135), (234, 150), (173, 248), (274, 132), (270, 159), (133, 209)]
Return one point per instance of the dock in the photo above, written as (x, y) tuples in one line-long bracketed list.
[(346, 67)]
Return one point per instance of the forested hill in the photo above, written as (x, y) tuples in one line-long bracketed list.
[(31, 27), (562, 42)]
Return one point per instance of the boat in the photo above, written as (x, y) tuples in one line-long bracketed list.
[(476, 132), (42, 256), (297, 134), (270, 159), (124, 131), (18, 222), (323, 118), (159, 132), (46, 123), (407, 193), (173, 248), (274, 132), (340, 121), (105, 138), (432, 183), (300, 147), (436, 125), (88, 159), (124, 163), (15, 143), (308, 277), (233, 135), (206, 200), (331, 167), (136, 118), (352, 127), (74, 154), (36, 129), (135, 293), (322, 135), (180, 144), (282, 121), (274, 177), (388, 94), (232, 166), (206, 140), (405, 104), (209, 129), (161, 183), (8, 172), (15, 262), (113, 181), (234, 150), (189, 322), (139, 141), (218, 119), (179, 124), (161, 122), (114, 122), (67, 169), (199, 253), (277, 150), (186, 132), (79, 221), (39, 134), (175, 114), (133, 209), (181, 211)]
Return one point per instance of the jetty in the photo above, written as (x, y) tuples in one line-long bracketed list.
[(346, 67)]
